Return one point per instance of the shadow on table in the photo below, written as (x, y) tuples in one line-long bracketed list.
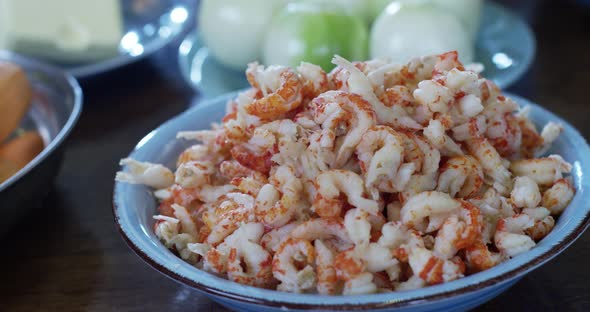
[(38, 269)]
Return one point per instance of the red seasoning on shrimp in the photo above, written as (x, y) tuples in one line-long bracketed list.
[(376, 177)]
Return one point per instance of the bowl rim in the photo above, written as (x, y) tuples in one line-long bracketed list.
[(503, 277), (68, 126)]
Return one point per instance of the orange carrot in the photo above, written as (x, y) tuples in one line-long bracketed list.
[(15, 97)]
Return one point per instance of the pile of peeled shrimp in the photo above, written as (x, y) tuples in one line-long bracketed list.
[(374, 177)]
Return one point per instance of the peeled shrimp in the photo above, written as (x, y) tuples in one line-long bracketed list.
[(446, 62), (426, 159), (359, 83), (510, 237), (549, 134), (558, 196), (211, 194), (230, 169), (237, 208), (280, 86), (359, 285), (376, 70), (344, 115), (249, 263), (434, 95), (271, 240), (331, 183), (269, 209), (246, 180), (544, 223), (187, 224), (504, 133), (324, 229), (274, 209), (498, 105), (193, 174), (350, 264), (393, 235), (435, 133), (152, 175), (338, 77), (414, 282), (458, 231), (285, 270), (360, 225), (544, 171), (531, 140), (432, 269), (260, 161), (491, 163), (460, 176), (401, 96), (168, 230), (257, 271), (479, 257), (525, 193), (189, 198), (314, 78), (196, 152), (380, 154), (215, 259), (493, 207), (400, 240), (216, 140), (471, 129), (427, 211), (287, 137), (467, 106), (379, 72), (327, 281), (464, 81)]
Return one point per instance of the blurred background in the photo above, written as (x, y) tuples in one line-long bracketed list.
[(141, 62)]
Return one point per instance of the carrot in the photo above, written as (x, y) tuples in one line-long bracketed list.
[(15, 97), (7, 169), (22, 149)]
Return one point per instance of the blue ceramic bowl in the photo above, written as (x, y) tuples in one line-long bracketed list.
[(134, 207)]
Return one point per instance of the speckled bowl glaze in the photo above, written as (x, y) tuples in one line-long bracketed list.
[(134, 206)]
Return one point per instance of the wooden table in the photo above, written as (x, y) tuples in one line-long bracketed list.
[(68, 256)]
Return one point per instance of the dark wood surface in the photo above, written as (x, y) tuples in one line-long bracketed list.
[(68, 256)]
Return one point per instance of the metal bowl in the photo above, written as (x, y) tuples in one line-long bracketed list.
[(55, 108)]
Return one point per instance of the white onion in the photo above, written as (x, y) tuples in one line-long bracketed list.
[(233, 30), (468, 11), (405, 31)]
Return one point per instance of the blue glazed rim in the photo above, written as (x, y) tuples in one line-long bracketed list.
[(73, 88), (145, 245)]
